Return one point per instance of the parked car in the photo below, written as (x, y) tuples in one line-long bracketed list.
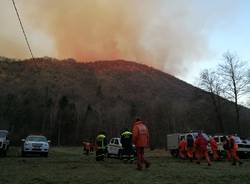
[(4, 142), (243, 147), (35, 144), (247, 141), (114, 148)]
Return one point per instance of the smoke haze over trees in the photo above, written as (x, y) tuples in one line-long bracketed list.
[(168, 35)]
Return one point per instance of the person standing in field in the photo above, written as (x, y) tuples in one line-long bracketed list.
[(101, 146), (127, 148), (201, 149), (190, 147), (226, 147), (214, 148), (182, 148), (140, 138), (233, 150)]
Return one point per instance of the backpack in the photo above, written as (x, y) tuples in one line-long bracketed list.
[(190, 141), (226, 145)]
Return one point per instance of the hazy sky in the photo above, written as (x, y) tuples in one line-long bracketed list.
[(178, 36)]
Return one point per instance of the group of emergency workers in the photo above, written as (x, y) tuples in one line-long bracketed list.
[(196, 148), (139, 137), (189, 148)]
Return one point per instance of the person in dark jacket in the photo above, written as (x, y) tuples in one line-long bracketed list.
[(101, 146), (126, 141), (226, 147), (190, 147)]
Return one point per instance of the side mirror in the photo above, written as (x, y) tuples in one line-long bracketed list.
[(23, 140), (49, 141)]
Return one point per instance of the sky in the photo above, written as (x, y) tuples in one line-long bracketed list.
[(181, 37), (234, 36)]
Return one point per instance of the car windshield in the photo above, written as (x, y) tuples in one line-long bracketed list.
[(37, 138), (3, 134)]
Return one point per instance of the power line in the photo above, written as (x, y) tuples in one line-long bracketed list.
[(25, 36)]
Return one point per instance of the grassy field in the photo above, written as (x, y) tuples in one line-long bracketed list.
[(69, 165)]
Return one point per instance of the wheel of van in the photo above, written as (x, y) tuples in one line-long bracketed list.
[(108, 155), (174, 153)]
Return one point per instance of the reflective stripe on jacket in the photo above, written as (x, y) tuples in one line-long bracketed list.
[(100, 141), (126, 134), (213, 144)]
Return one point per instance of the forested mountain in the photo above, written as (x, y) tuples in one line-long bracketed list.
[(70, 101)]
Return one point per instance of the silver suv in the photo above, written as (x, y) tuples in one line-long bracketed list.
[(35, 144), (4, 142)]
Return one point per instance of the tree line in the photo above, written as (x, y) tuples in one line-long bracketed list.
[(70, 102)]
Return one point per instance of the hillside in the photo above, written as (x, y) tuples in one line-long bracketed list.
[(70, 101)]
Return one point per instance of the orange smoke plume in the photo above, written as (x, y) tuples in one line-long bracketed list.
[(160, 33)]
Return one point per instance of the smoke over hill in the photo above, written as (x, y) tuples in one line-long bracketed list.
[(168, 35)]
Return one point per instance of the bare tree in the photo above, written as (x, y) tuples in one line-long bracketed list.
[(234, 76), (210, 82)]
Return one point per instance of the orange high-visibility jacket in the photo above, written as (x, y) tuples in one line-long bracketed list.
[(182, 145), (140, 134), (233, 145), (213, 144), (201, 143)]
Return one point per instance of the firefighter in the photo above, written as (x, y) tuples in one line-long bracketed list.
[(214, 148), (201, 149), (101, 146), (226, 147), (140, 138), (233, 150), (126, 141), (190, 147), (182, 148)]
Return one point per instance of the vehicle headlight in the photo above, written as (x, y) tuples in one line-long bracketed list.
[(27, 144), (46, 145)]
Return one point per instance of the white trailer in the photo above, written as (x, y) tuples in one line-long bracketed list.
[(172, 142)]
